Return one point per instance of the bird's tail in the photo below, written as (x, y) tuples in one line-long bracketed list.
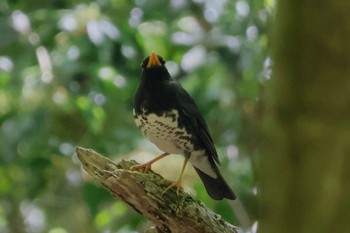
[(217, 188)]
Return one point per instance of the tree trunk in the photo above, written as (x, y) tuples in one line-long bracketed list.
[(305, 163)]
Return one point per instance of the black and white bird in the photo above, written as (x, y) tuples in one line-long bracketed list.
[(169, 118)]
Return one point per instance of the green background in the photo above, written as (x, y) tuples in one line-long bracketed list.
[(68, 73)]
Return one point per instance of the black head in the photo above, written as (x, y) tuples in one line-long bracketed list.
[(153, 61), (154, 70)]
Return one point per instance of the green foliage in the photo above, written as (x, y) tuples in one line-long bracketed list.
[(68, 73)]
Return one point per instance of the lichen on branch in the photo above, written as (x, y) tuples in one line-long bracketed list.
[(143, 192)]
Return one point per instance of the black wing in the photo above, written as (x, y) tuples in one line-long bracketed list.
[(195, 122)]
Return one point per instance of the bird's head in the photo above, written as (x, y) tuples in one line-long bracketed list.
[(153, 62), (154, 70)]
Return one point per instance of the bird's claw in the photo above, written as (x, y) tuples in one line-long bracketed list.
[(145, 167), (176, 184)]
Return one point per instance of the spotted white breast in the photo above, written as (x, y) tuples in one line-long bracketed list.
[(164, 132)]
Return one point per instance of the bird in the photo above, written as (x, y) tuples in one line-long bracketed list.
[(168, 116)]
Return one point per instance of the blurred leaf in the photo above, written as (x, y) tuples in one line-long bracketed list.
[(68, 74)]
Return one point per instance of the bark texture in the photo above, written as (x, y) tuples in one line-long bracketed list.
[(305, 165), (142, 191)]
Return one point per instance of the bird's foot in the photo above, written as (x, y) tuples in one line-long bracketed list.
[(143, 167), (147, 166), (173, 184)]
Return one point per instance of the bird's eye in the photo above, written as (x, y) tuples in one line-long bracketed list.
[(161, 59), (144, 63)]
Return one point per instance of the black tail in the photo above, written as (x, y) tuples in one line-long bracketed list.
[(217, 188)]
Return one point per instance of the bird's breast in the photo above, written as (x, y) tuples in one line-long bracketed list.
[(163, 130)]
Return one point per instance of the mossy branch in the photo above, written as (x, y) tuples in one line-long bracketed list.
[(142, 191)]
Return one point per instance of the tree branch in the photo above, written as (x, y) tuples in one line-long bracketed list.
[(142, 191)]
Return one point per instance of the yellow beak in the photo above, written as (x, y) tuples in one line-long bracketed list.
[(153, 60)]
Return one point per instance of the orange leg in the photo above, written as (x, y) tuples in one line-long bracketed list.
[(147, 166), (177, 183)]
